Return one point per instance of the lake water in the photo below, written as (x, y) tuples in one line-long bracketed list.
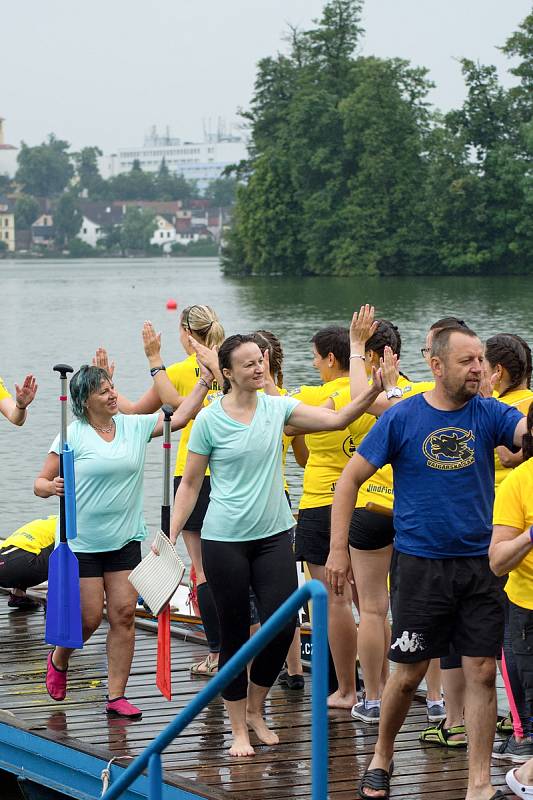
[(61, 311)]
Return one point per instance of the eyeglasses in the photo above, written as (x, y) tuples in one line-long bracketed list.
[(425, 351)]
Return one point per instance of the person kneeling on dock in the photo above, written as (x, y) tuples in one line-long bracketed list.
[(24, 560)]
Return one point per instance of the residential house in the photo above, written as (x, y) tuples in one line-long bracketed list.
[(98, 218), (7, 223), (165, 233), (42, 231)]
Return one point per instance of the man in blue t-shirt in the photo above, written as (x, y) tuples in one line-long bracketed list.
[(441, 448)]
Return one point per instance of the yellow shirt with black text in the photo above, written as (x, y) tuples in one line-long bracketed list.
[(330, 451), (184, 376), (34, 536)]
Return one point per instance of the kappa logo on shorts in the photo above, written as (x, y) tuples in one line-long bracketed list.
[(448, 448), (348, 446), (409, 642)]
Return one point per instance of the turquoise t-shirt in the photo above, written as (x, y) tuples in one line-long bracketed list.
[(247, 499), (109, 482)]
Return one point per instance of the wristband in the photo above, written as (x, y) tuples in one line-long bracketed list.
[(531, 534), (357, 355), (155, 370), (20, 408), (203, 382)]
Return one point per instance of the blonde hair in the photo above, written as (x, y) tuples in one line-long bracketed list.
[(203, 324)]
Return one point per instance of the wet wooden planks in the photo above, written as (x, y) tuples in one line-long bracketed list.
[(421, 772)]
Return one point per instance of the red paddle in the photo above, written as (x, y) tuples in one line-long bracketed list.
[(163, 673)]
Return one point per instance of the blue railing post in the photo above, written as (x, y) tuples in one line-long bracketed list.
[(319, 697), (312, 590), (155, 777)]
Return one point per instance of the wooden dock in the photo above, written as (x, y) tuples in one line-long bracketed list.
[(77, 734)]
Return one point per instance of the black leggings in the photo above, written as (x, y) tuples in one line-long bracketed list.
[(20, 569), (268, 566)]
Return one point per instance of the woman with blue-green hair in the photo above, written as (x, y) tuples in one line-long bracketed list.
[(109, 454)]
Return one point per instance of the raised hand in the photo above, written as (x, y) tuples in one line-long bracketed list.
[(101, 359), (389, 368), (24, 394), (151, 341), (362, 327), (205, 356)]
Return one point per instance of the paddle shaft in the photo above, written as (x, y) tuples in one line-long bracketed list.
[(63, 370), (165, 508)]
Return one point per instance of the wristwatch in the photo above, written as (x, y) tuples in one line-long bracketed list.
[(155, 370), (394, 392)]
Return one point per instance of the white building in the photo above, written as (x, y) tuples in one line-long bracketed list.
[(165, 233), (202, 162)]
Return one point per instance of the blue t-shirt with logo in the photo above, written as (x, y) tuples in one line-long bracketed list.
[(443, 466)]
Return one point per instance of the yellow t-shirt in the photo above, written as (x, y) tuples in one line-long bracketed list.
[(330, 451), (520, 399), (34, 536), (514, 507), (379, 488), (3, 391), (184, 375)]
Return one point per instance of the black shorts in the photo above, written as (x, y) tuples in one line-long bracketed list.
[(94, 565), (439, 604), (20, 569), (370, 530), (196, 520), (313, 533)]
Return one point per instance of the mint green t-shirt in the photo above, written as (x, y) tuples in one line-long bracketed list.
[(247, 499), (109, 482)]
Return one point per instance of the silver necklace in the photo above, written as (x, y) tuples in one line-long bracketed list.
[(104, 430)]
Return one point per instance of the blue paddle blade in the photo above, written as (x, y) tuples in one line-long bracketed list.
[(63, 608), (70, 492)]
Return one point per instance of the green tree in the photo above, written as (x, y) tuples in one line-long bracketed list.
[(138, 228), (222, 191), (89, 179), (44, 170), (67, 219), (26, 211)]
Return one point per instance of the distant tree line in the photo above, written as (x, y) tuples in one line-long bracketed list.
[(352, 172)]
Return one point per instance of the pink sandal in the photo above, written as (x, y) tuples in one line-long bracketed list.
[(56, 679), (120, 707)]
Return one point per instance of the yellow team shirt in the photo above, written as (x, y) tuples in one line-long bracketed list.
[(3, 391), (379, 488), (520, 399), (514, 507), (34, 536), (184, 376), (330, 451)]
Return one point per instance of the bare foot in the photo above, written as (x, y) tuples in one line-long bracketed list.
[(241, 747), (338, 700), (260, 728)]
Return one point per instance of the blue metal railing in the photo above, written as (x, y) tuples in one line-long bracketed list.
[(151, 756)]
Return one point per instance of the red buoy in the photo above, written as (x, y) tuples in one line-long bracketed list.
[(171, 305)]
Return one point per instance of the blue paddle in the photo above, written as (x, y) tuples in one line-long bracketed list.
[(63, 607)]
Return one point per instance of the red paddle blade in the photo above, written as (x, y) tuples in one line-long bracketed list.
[(163, 680)]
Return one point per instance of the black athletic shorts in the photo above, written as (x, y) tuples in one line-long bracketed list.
[(313, 532), (370, 530), (20, 569), (439, 604), (94, 565), (196, 520)]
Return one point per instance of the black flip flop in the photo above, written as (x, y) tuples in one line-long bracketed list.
[(498, 795), (377, 779)]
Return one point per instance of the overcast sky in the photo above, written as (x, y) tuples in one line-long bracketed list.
[(103, 72)]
